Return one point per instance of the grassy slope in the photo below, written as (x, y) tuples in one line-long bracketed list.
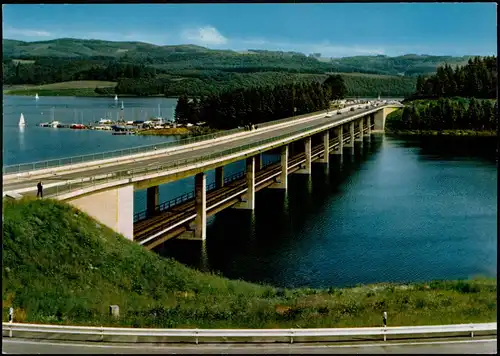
[(73, 88), (60, 266)]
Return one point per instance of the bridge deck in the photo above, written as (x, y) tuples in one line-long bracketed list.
[(173, 221), (70, 181)]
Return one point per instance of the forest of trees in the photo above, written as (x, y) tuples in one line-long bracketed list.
[(478, 78), (463, 99), (446, 114), (260, 104), (54, 70), (145, 80)]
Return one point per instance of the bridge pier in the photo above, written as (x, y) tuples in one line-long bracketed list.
[(340, 146), (380, 116), (219, 177), (152, 199), (326, 147), (200, 201), (249, 198), (360, 126), (368, 120), (258, 162), (306, 169), (113, 208), (198, 229), (351, 135), (282, 182)]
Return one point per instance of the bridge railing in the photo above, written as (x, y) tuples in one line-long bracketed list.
[(183, 198), (126, 174), (190, 195), (58, 162), (109, 334)]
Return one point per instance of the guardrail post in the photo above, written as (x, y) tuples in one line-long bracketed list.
[(196, 336), (385, 331), (472, 331), (102, 333), (291, 336)]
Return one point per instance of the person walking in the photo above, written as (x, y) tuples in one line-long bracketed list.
[(39, 188)]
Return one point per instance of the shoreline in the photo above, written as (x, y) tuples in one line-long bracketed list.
[(455, 133)]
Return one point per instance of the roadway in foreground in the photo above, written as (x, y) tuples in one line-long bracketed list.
[(457, 346)]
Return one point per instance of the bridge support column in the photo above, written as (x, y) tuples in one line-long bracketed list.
[(249, 198), (340, 147), (258, 162), (368, 121), (326, 148), (200, 201), (351, 135), (307, 165), (282, 182), (360, 126), (152, 199), (219, 177), (113, 208), (380, 116)]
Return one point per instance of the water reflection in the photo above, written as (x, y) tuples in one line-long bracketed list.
[(385, 214)]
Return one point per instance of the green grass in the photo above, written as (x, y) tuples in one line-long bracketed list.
[(73, 88), (62, 267)]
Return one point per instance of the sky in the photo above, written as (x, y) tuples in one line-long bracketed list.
[(332, 29)]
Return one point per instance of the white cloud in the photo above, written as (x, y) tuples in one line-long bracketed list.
[(204, 36), (325, 48), (24, 32), (209, 36)]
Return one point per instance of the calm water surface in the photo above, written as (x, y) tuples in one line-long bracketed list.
[(41, 143), (397, 210)]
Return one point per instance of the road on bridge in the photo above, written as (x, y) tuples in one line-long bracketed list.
[(155, 161), (476, 346)]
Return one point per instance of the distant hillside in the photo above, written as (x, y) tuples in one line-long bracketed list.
[(196, 57)]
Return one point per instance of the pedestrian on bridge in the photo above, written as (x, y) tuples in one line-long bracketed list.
[(39, 188)]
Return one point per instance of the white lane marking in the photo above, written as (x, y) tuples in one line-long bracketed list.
[(249, 346)]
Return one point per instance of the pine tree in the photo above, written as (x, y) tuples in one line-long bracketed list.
[(181, 110)]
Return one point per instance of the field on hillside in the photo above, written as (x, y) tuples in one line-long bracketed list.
[(62, 267), (73, 88), (82, 84)]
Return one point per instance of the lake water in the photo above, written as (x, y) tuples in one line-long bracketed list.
[(397, 210), (41, 143)]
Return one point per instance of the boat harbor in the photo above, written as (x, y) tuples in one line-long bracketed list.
[(116, 119)]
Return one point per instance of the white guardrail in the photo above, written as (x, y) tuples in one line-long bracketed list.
[(87, 333)]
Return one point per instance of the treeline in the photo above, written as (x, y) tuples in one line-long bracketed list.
[(243, 107), (374, 85), (478, 78), (445, 114), (204, 85), (46, 71)]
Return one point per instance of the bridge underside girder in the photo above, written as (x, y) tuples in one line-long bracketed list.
[(114, 207), (278, 180)]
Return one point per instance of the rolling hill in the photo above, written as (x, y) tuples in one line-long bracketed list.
[(197, 57)]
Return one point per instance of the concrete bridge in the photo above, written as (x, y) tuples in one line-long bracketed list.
[(104, 188)]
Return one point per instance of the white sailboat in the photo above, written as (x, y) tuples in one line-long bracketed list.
[(22, 122), (116, 97), (36, 96)]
